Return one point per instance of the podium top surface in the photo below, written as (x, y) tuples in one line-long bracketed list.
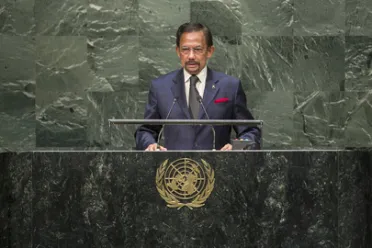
[(186, 122)]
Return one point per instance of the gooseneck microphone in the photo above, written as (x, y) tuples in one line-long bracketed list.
[(205, 111), (166, 118)]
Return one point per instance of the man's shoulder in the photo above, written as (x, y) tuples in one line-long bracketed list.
[(166, 77), (224, 77)]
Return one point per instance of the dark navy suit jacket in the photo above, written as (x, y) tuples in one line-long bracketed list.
[(171, 86)]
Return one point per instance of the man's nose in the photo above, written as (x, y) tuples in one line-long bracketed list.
[(191, 54)]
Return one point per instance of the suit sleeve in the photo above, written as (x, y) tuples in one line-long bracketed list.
[(148, 134), (241, 112)]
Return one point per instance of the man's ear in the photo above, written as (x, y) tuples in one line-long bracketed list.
[(178, 51), (210, 51)]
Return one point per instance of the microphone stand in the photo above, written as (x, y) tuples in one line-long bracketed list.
[(162, 128), (205, 111)]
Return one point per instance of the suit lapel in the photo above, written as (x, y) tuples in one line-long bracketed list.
[(178, 89), (210, 91)]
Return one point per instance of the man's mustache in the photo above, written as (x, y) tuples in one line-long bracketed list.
[(192, 63)]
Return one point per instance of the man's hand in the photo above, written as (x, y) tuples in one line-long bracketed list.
[(227, 147), (155, 147)]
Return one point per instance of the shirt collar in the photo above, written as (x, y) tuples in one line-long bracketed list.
[(202, 75)]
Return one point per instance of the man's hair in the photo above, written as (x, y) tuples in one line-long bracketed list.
[(194, 27)]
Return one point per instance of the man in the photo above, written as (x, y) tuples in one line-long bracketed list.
[(222, 96)]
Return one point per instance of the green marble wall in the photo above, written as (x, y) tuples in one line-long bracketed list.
[(67, 66)]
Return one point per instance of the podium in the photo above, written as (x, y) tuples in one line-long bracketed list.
[(260, 199)]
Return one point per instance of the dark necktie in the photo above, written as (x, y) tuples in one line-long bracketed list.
[(193, 97)]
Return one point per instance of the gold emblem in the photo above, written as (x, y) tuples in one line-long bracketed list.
[(185, 183)]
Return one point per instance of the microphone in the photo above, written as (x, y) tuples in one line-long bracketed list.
[(205, 111), (166, 118)]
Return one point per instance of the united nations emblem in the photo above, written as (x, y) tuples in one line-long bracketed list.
[(185, 182)]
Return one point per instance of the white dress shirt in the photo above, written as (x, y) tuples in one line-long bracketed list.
[(200, 85)]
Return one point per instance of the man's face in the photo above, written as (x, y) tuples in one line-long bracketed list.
[(193, 52)]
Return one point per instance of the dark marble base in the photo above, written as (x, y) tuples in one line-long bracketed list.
[(16, 200), (260, 199)]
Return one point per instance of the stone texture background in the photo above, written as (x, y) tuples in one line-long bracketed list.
[(67, 66)]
